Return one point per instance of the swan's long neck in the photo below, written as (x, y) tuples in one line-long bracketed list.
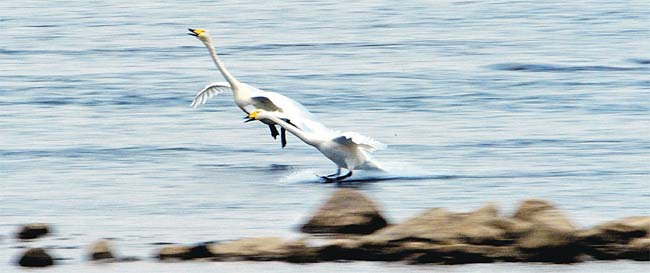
[(235, 85), (308, 138)]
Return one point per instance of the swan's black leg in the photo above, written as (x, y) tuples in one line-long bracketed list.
[(283, 132), (283, 137), (344, 177), (329, 178), (274, 131), (337, 173)]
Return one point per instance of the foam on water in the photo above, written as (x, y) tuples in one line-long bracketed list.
[(391, 171)]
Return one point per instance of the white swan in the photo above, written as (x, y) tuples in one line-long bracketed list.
[(347, 150), (249, 98)]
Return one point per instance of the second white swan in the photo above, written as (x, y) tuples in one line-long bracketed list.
[(347, 150)]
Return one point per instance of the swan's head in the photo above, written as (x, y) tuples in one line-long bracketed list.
[(199, 33), (255, 115)]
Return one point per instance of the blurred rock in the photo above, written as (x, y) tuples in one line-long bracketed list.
[(100, 250), (33, 231), (618, 231), (35, 257), (440, 236), (347, 211), (440, 226), (173, 252), (461, 254), (263, 249), (199, 251), (537, 232), (341, 249), (543, 233), (619, 239), (639, 249)]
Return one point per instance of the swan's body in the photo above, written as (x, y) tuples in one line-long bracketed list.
[(249, 98), (347, 150)]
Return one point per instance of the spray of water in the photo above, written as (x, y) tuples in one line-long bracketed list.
[(392, 171)]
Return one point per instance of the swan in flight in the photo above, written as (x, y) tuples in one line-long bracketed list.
[(249, 98), (347, 150)]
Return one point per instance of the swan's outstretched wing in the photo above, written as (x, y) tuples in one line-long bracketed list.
[(289, 106), (264, 103), (366, 143), (288, 109), (209, 91)]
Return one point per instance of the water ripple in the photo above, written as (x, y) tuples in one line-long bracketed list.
[(522, 67)]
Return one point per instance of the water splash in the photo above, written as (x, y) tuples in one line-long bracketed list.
[(392, 171)]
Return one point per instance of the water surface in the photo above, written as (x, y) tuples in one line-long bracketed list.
[(479, 102)]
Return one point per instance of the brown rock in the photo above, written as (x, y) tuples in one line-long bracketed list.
[(35, 257), (341, 249), (463, 253), (618, 231), (100, 250), (436, 236), (543, 233), (263, 249), (173, 252), (440, 226), (346, 211), (618, 239), (33, 231), (639, 249)]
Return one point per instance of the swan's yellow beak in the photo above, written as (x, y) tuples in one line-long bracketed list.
[(196, 32), (252, 116)]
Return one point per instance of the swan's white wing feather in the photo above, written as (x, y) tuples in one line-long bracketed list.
[(263, 102), (364, 142), (209, 91), (289, 106), (297, 114)]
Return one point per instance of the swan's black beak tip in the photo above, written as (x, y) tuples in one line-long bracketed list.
[(192, 32), (248, 119)]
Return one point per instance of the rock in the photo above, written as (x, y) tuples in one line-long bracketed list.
[(36, 257), (263, 249), (440, 226), (639, 249), (438, 236), (347, 211), (33, 231), (462, 254), (618, 239), (543, 233), (199, 251), (100, 250), (174, 252), (618, 231), (341, 249), (537, 232)]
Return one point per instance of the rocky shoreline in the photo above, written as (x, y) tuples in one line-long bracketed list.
[(351, 227)]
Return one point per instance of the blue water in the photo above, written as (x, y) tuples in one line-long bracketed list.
[(479, 101)]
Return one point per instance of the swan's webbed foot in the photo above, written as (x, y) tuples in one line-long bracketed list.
[(335, 177), (274, 131), (337, 173)]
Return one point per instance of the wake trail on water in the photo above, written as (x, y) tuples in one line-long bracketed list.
[(391, 171)]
